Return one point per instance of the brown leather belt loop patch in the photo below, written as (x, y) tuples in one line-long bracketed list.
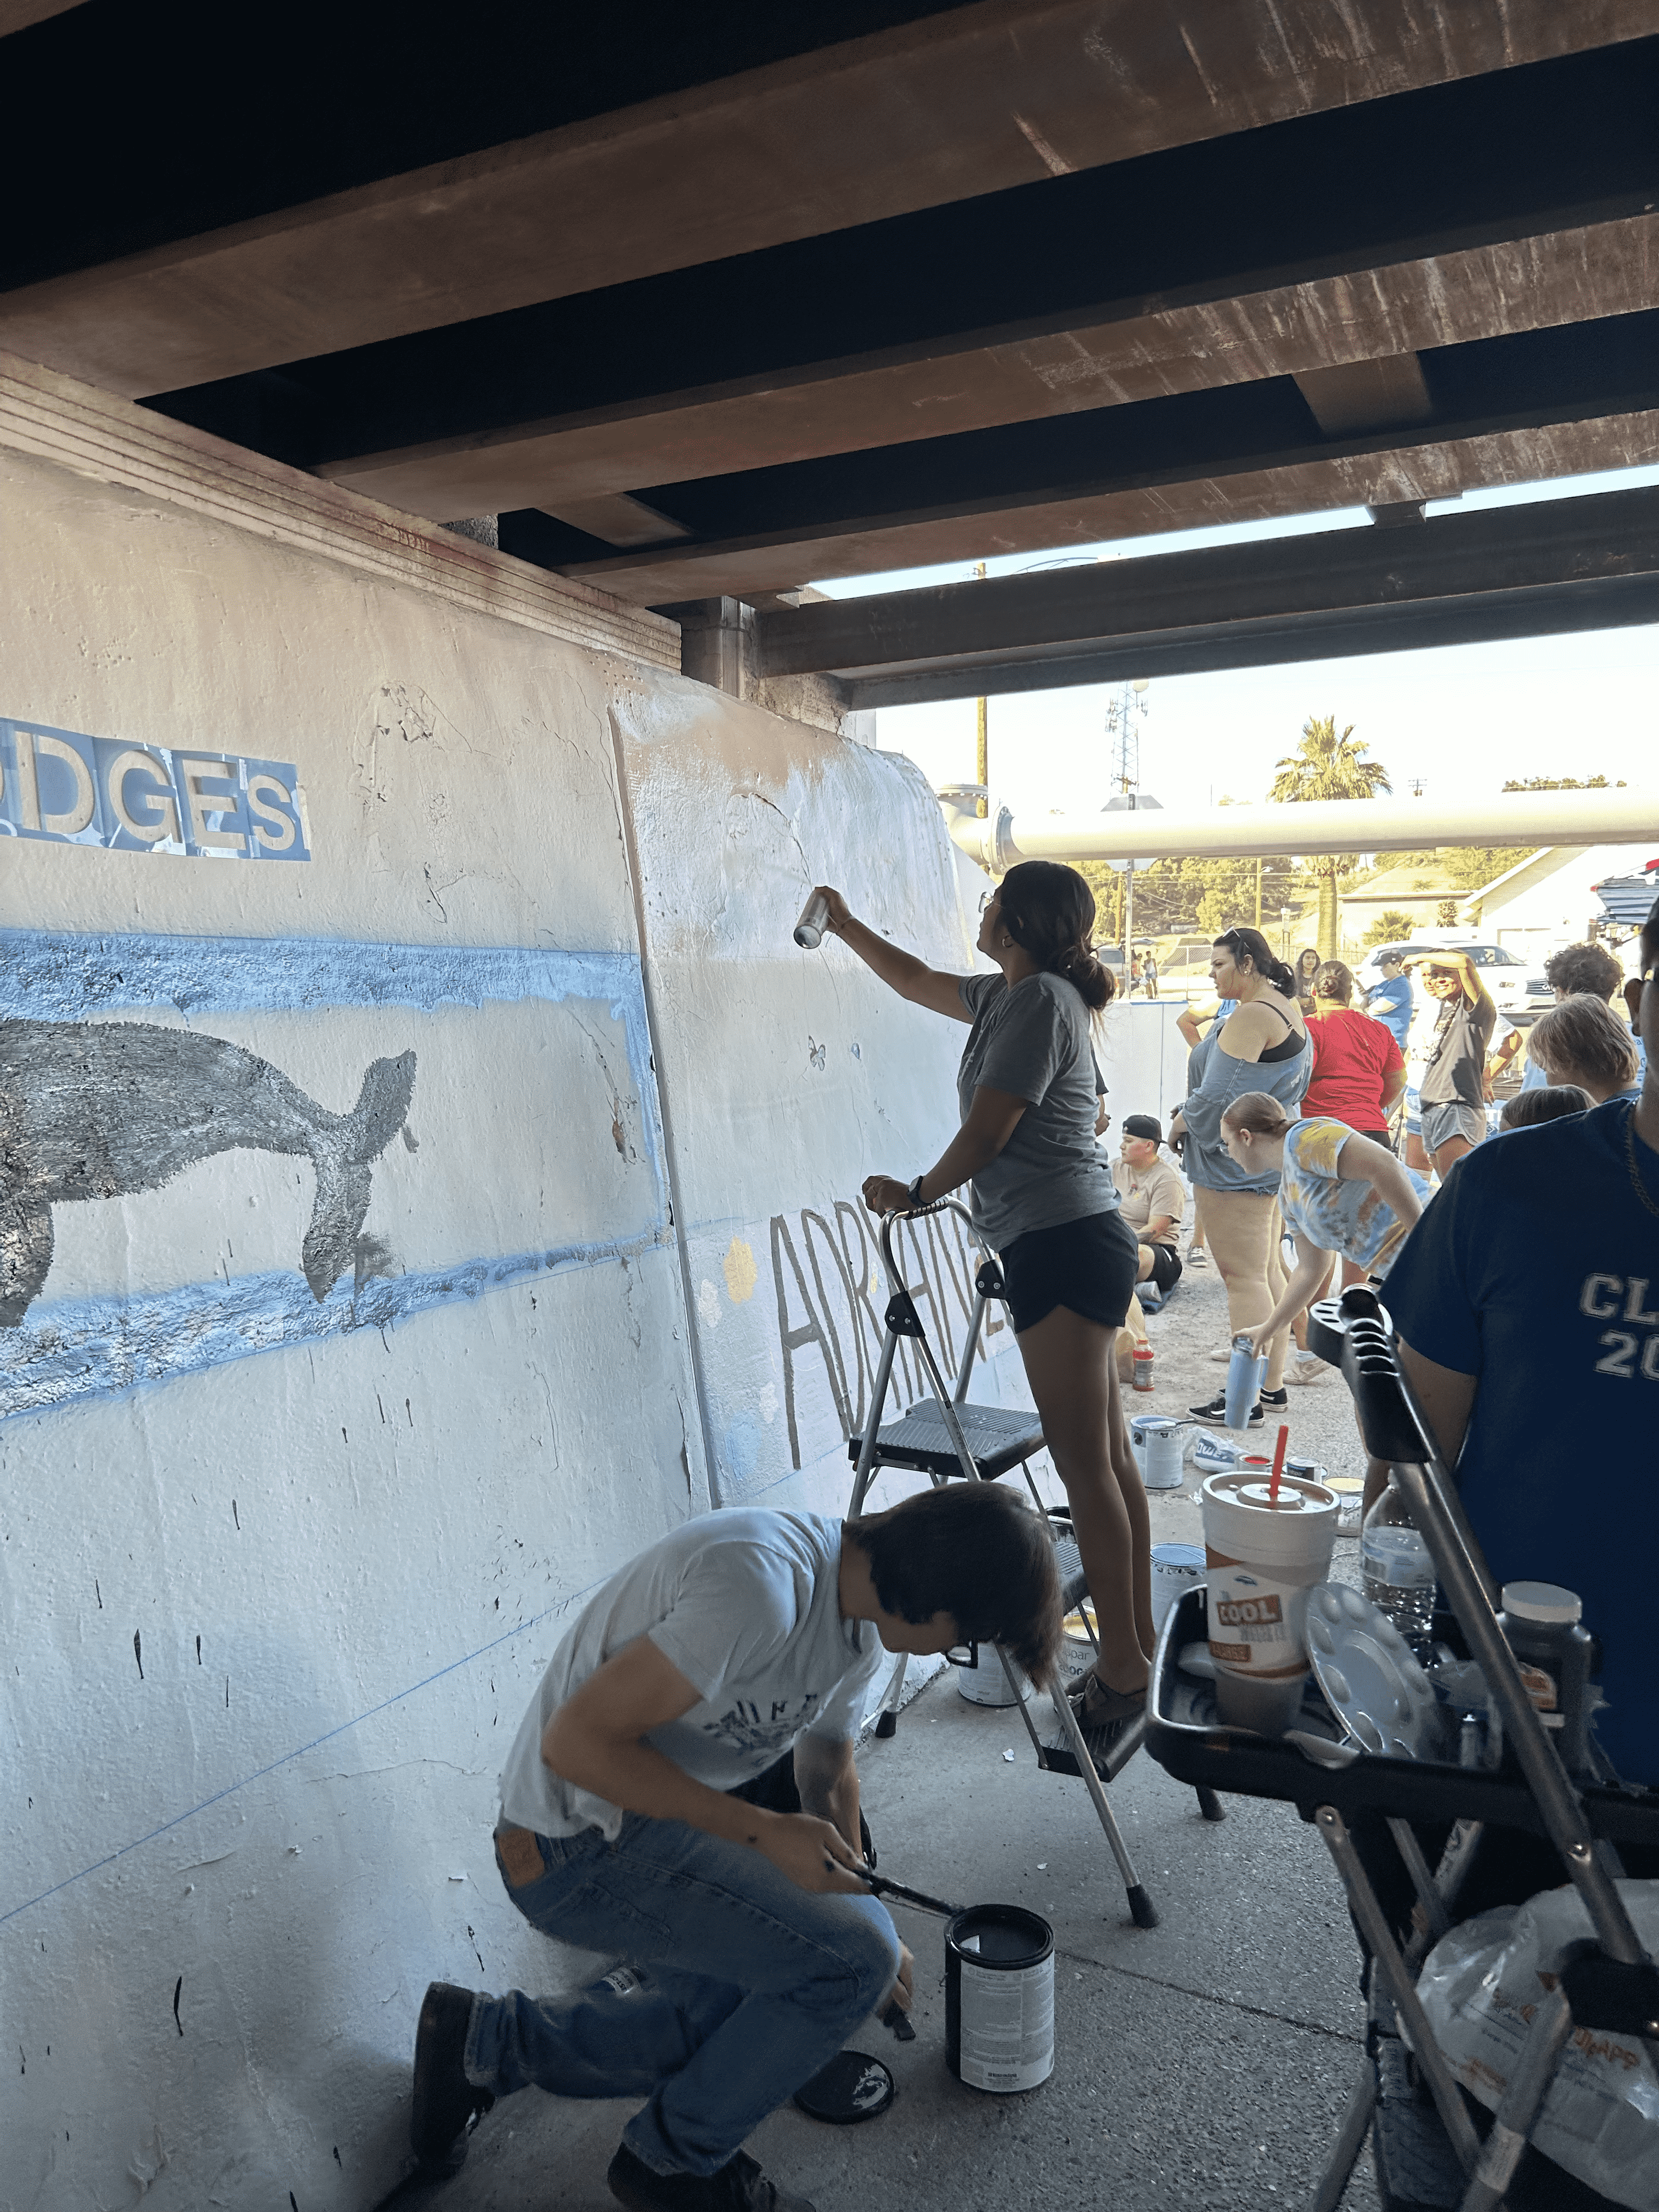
[(519, 1854)]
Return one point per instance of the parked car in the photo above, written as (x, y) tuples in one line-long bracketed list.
[(1517, 986)]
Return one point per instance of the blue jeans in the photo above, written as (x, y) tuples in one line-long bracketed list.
[(752, 1986)]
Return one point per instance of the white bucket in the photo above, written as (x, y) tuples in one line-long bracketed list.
[(1160, 1443), (1261, 1560), (989, 1682), (1176, 1568)]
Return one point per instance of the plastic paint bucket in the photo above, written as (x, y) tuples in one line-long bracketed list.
[(1000, 1999), (1261, 1559), (1160, 1443), (1176, 1567), (988, 1682)]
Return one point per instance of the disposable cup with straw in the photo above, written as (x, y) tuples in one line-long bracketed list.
[(1267, 1543)]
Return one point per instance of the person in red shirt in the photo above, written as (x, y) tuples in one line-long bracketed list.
[(1358, 1074)]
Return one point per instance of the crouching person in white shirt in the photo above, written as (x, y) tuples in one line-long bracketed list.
[(741, 1635)]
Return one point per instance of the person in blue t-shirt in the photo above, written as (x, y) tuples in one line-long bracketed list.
[(1583, 971), (1526, 1305), (1390, 1001)]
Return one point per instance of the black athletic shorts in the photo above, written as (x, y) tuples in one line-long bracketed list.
[(1089, 1265), (1166, 1269)]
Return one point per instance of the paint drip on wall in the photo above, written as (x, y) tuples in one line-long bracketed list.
[(91, 1109)]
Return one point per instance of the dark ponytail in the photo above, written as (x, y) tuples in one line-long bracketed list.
[(1250, 944), (1048, 910)]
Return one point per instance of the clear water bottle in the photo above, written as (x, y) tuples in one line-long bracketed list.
[(1396, 1572)]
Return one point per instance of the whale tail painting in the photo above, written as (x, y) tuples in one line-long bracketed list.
[(104, 1110)]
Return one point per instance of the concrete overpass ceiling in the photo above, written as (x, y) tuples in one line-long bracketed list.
[(889, 284)]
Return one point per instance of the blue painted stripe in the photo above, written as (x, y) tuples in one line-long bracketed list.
[(82, 1348), (102, 1347)]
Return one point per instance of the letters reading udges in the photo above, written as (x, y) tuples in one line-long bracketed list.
[(64, 788)]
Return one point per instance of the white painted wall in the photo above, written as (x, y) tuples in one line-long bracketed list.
[(345, 1537), (278, 1576)]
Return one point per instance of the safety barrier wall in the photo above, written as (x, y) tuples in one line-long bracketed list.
[(388, 1251)]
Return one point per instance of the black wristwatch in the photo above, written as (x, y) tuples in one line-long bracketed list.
[(913, 1190)]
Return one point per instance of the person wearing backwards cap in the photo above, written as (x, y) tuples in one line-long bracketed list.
[(1152, 1200)]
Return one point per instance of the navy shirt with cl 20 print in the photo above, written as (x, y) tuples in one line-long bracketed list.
[(1537, 1269)]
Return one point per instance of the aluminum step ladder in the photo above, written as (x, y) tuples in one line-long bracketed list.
[(945, 1435), (1611, 1984)]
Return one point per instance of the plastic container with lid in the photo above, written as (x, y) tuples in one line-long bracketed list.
[(1540, 1621)]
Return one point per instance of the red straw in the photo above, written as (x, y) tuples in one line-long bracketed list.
[(1279, 1464)]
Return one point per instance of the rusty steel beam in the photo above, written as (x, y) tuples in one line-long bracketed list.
[(1581, 563), (959, 103)]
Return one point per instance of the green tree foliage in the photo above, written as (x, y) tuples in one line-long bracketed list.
[(1390, 928), (1177, 897), (1565, 783), (1327, 766)]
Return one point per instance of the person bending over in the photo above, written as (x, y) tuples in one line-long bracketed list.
[(1338, 1191), (1263, 1046), (1043, 1199), (1588, 970), (1526, 1306), (738, 1635), (1583, 1041), (1153, 1199), (1450, 1049)]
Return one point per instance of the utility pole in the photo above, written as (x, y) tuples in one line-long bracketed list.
[(982, 763), (1258, 892)]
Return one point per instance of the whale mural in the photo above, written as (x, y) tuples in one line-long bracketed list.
[(104, 1110)]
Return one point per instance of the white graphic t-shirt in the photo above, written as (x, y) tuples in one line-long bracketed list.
[(745, 1604)]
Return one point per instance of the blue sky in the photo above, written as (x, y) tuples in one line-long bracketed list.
[(1460, 718)]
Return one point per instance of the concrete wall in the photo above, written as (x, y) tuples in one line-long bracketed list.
[(301, 801)]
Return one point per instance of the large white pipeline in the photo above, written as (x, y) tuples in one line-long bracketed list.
[(1623, 816)]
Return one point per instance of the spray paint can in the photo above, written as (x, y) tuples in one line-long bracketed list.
[(1143, 1367), (1000, 1999), (809, 930)]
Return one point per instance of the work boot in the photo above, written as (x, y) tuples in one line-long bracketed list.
[(739, 2186), (446, 2103)]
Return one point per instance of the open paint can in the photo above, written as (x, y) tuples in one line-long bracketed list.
[(1000, 1999), (1160, 1445)]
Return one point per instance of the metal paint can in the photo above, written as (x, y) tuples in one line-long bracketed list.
[(1000, 1999), (1176, 1567), (1160, 1443), (809, 930), (986, 1681)]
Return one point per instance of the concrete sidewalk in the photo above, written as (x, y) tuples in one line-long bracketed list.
[(1201, 2064)]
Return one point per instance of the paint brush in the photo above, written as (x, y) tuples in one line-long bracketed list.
[(884, 1887)]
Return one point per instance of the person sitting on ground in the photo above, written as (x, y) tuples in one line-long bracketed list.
[(1582, 970), (1154, 1200), (1359, 1071), (1526, 1302), (1451, 1038), (1545, 1102), (1583, 1041), (737, 1636), (1340, 1192), (1390, 1001)]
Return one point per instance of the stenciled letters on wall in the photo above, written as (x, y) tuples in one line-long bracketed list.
[(66, 788)]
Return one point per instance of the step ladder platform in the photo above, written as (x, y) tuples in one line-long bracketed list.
[(1056, 1755), (998, 1437)]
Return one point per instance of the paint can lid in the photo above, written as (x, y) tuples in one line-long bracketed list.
[(1547, 1602), (853, 2087)]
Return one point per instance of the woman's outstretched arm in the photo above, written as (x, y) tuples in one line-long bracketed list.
[(900, 971)]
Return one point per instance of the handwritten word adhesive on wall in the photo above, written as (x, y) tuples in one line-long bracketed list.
[(64, 788)]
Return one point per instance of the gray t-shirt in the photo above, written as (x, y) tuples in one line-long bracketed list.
[(1033, 1042), (1454, 1069), (746, 1603)]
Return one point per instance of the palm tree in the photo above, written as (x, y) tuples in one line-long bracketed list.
[(1325, 766)]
